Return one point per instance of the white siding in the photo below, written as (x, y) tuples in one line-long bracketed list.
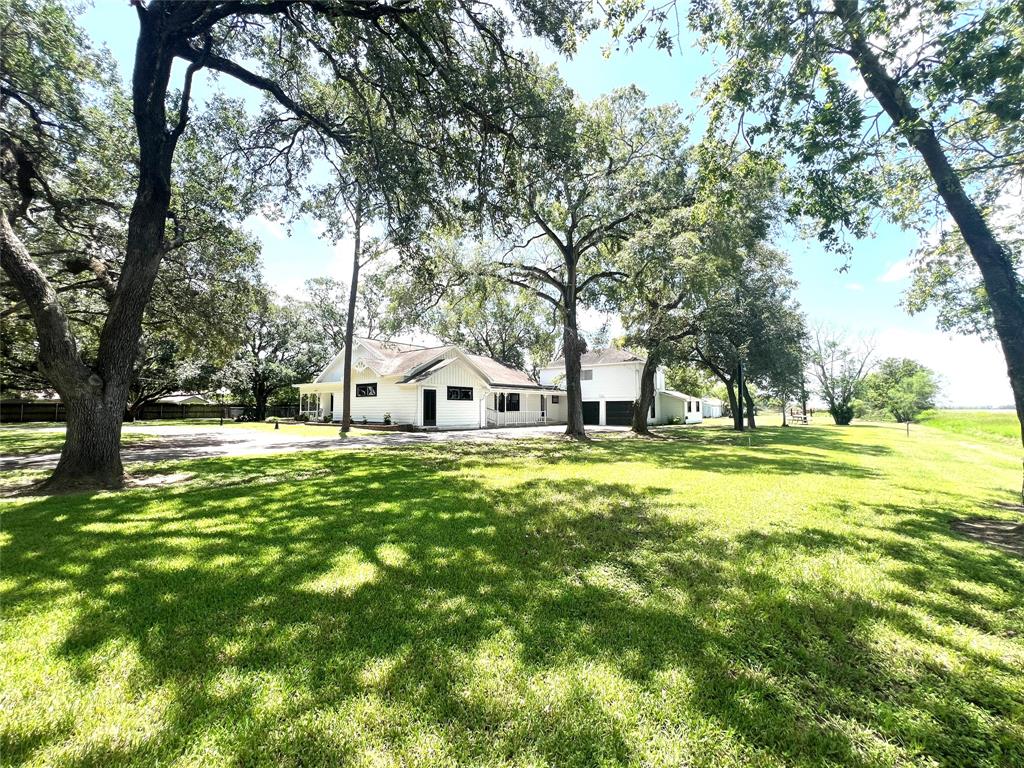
[(711, 410), (455, 414), (399, 401), (557, 411), (404, 402), (669, 407), (609, 382)]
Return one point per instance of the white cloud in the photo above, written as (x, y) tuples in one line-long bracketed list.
[(897, 271), (854, 287), (262, 226)]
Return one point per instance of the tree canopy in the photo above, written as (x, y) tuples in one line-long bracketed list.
[(907, 109), (439, 90), (900, 388)]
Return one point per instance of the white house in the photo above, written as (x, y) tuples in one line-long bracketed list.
[(711, 407), (436, 387), (611, 384)]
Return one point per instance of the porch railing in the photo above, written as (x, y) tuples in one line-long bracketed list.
[(515, 418), (317, 414)]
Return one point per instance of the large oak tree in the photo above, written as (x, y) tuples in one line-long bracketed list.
[(932, 118), (445, 66), (595, 175)]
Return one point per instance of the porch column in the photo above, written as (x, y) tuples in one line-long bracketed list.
[(324, 400)]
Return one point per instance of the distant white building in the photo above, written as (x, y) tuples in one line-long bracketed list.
[(712, 407), (611, 384)]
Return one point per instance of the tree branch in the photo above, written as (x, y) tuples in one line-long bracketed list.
[(230, 68)]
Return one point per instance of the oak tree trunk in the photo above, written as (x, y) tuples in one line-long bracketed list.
[(350, 320), (734, 409), (751, 423), (260, 396), (96, 396), (736, 398), (574, 426), (91, 457), (642, 407), (1003, 286), (572, 351)]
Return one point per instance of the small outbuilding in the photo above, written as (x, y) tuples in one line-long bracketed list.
[(712, 407)]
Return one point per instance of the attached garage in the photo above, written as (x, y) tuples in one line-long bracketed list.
[(618, 412), (591, 412)]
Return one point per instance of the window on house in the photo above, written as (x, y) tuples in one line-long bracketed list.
[(586, 375), (652, 409), (460, 393), (512, 401), (554, 399), (366, 390)]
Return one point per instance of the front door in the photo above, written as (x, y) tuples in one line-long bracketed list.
[(429, 407)]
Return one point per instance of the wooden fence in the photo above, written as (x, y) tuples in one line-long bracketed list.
[(18, 411)]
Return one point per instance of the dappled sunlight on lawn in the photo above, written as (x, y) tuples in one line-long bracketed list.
[(685, 601)]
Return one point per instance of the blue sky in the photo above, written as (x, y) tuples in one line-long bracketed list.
[(863, 300)]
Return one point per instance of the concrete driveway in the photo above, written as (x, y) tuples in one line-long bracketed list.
[(193, 442)]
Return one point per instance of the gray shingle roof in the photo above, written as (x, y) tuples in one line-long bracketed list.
[(499, 373), (416, 363), (601, 357)]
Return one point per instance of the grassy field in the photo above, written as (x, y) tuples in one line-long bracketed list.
[(23, 441), (997, 425), (691, 601)]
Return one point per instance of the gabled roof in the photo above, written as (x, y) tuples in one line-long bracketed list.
[(678, 395), (425, 372), (415, 363), (499, 373), (405, 362), (609, 356)]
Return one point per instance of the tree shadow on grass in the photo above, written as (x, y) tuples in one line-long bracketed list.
[(721, 453), (396, 606)]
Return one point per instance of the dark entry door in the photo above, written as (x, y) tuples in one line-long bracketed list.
[(619, 412), (591, 412), (429, 407)]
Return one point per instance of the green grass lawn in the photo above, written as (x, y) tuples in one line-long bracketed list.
[(999, 425), (684, 602), (24, 441)]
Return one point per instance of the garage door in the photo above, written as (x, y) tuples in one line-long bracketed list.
[(619, 412), (591, 412)]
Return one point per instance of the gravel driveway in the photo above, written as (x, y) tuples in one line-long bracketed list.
[(191, 442)]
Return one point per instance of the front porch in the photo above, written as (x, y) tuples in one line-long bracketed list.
[(521, 408), (516, 418), (318, 406)]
